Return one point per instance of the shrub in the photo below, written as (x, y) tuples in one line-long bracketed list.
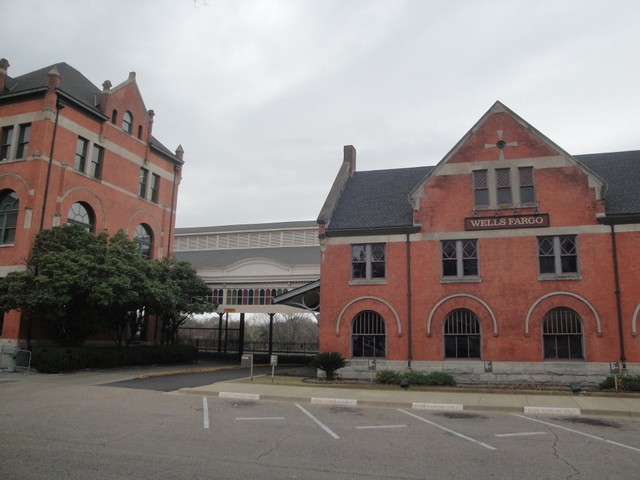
[(416, 378), (388, 377), (329, 363), (61, 359), (630, 383)]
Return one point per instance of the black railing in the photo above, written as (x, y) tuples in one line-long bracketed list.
[(214, 340)]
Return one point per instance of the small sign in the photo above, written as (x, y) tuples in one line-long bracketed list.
[(614, 367), (488, 367), (536, 220), (246, 360), (274, 360), (229, 310), (372, 364)]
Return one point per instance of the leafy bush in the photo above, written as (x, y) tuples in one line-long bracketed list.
[(329, 363), (64, 359), (630, 383), (388, 377), (416, 378)]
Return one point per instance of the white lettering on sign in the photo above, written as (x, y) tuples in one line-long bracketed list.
[(552, 410), (437, 406), (334, 401), (511, 221)]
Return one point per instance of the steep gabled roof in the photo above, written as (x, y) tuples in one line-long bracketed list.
[(376, 201), (73, 86), (621, 172)]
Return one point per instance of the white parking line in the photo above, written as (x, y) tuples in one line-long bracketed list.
[(368, 427), (478, 442), (205, 408), (595, 437), (522, 434), (322, 425), (259, 418)]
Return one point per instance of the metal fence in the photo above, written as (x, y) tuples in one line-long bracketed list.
[(13, 359), (215, 340)]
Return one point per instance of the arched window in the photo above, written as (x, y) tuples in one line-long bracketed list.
[(140, 132), (81, 214), (462, 334), (562, 334), (9, 207), (143, 237), (368, 335), (127, 121), (114, 117)]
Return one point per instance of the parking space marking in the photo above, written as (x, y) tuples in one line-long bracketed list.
[(578, 432), (322, 425), (259, 418), (522, 434), (453, 432), (205, 409), (370, 427)]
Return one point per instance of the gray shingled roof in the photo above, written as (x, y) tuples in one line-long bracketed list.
[(377, 199), (73, 85), (201, 259), (621, 172)]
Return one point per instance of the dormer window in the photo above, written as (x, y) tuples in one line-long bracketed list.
[(127, 122), (493, 188)]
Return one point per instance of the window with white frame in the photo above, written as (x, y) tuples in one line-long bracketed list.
[(494, 188), (527, 191), (7, 140), (503, 187), (558, 255), (81, 214), (80, 160), (142, 182), (562, 334), (481, 188), (459, 258), (368, 261)]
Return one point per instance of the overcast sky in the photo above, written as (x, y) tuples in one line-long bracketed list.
[(263, 95)]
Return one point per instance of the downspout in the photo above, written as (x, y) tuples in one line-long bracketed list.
[(59, 106), (614, 252), (409, 319), (171, 211)]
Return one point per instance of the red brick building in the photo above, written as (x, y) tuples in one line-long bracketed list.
[(72, 152), (511, 259)]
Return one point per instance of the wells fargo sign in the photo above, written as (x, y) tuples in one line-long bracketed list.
[(508, 221)]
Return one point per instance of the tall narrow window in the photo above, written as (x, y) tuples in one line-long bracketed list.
[(459, 258), (558, 255), (142, 182), (114, 117), (97, 158), (81, 214), (562, 334), (23, 140), (140, 132), (527, 192), (143, 239), (155, 187), (80, 160), (7, 139), (480, 188), (127, 121), (9, 208), (368, 335), (503, 184), (462, 334), (368, 261)]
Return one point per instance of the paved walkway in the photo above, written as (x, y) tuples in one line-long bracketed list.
[(586, 403), (534, 403)]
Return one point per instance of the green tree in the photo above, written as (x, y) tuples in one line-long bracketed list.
[(177, 293), (59, 287)]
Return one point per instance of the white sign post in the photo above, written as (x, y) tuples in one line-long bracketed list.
[(274, 362), (247, 361)]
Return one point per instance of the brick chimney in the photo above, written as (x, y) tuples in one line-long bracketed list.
[(4, 66), (350, 157), (105, 98), (51, 97), (180, 152)]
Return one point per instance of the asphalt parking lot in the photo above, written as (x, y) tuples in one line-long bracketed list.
[(87, 426)]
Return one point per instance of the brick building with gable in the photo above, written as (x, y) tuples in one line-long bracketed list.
[(72, 152), (509, 260)]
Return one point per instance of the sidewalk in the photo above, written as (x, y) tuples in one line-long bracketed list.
[(577, 404)]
